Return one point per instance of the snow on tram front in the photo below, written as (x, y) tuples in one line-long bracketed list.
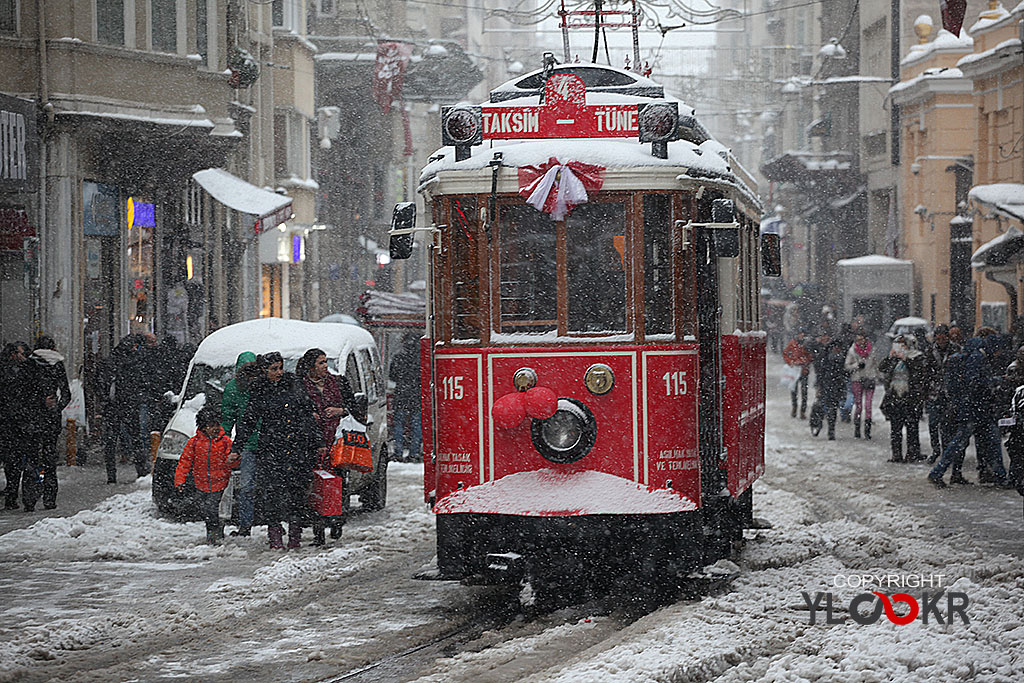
[(593, 370)]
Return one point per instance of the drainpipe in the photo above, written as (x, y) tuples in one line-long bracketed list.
[(44, 92)]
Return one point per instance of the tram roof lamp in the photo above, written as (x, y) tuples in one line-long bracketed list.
[(658, 123), (462, 127)]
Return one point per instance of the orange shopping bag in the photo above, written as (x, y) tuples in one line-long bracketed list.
[(351, 448)]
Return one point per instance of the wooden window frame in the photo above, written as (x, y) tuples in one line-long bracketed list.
[(683, 207)]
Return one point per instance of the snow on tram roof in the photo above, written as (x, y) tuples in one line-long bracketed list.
[(612, 153)]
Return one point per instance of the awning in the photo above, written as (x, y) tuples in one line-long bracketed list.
[(1000, 251), (1003, 198), (268, 209)]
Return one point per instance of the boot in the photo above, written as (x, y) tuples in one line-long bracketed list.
[(831, 431), (867, 428), (294, 536), (319, 537), (275, 533), (856, 428)]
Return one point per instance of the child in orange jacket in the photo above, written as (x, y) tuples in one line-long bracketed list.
[(208, 456)]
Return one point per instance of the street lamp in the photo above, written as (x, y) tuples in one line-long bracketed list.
[(832, 50)]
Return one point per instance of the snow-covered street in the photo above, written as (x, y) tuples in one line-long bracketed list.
[(113, 593)]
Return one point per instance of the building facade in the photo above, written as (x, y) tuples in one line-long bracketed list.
[(133, 99)]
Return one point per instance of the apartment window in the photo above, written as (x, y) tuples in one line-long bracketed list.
[(291, 145), (325, 8), (202, 42), (164, 30), (8, 16), (110, 22), (287, 14)]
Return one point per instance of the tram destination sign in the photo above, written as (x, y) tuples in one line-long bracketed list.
[(564, 114)]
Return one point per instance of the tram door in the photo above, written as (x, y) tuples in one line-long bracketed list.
[(709, 319)]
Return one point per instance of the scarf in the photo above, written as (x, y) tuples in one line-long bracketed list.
[(862, 351)]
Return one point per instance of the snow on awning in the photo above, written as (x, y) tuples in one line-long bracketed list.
[(846, 201), (1003, 198), (999, 251), (269, 209)]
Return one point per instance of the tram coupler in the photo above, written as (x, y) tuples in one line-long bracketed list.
[(501, 568)]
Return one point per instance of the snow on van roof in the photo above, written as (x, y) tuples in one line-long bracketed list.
[(290, 338)]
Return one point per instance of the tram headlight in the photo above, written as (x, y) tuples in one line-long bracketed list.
[(566, 436), (657, 121), (461, 125)]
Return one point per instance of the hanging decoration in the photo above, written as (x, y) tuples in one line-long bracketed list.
[(556, 188), (389, 72)]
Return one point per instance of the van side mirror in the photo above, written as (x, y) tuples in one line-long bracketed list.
[(771, 254), (362, 407), (403, 218)]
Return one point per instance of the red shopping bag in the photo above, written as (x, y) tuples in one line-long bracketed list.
[(352, 451), (326, 497)]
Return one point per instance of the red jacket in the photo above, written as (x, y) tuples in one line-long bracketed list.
[(209, 461)]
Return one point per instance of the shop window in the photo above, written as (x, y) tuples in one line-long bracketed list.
[(527, 278), (596, 248), (164, 25), (8, 17), (657, 264)]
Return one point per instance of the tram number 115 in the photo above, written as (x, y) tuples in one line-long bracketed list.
[(451, 388), (675, 383)]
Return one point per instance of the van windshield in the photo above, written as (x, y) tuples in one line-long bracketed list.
[(211, 379)]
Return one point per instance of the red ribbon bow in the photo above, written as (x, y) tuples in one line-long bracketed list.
[(556, 188)]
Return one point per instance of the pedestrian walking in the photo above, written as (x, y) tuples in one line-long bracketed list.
[(286, 451), (233, 403), (799, 357), (969, 385), (332, 399), (207, 455), (905, 375), (862, 366), (941, 419), (51, 381), (405, 373), (13, 434), (831, 378), (121, 412)]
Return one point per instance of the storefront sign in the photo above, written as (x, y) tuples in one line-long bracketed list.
[(19, 148), (140, 214), (100, 215), (14, 229)]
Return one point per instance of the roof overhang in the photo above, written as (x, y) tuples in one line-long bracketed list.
[(1005, 250)]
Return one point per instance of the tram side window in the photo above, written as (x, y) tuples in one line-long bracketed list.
[(657, 264), (528, 283), (596, 267), (466, 282)]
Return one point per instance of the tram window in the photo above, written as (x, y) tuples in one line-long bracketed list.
[(657, 264), (465, 278), (596, 268), (527, 270)]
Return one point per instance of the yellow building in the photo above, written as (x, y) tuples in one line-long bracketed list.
[(996, 69), (961, 105)]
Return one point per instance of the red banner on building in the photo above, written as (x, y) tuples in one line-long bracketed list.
[(953, 12), (389, 72)]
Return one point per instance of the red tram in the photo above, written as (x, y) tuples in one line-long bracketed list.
[(593, 370)]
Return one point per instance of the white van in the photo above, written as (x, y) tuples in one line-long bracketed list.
[(351, 351)]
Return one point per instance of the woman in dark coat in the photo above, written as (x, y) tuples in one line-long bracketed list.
[(831, 383), (905, 375), (14, 419), (54, 396), (287, 448), (332, 399)]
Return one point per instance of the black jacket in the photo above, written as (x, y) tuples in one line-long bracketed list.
[(289, 435), (47, 373)]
